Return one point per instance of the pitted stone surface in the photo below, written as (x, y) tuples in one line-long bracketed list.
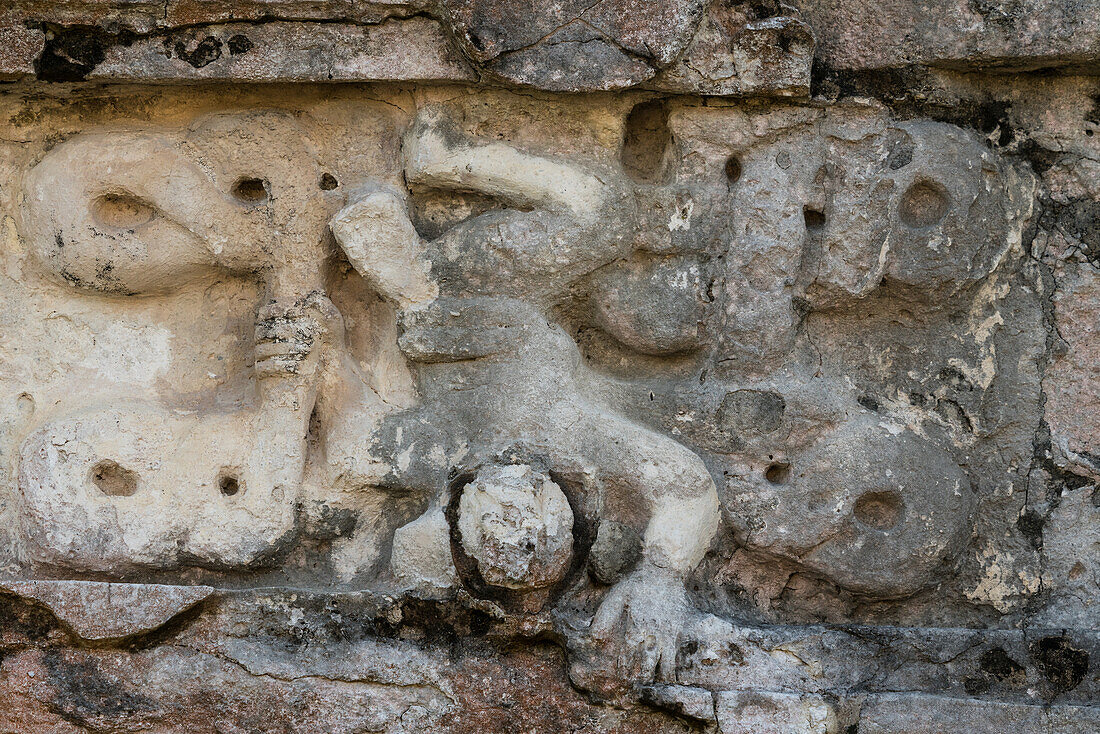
[(518, 526), (594, 368)]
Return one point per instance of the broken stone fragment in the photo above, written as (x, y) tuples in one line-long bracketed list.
[(687, 701), (98, 611), (573, 45), (421, 557)]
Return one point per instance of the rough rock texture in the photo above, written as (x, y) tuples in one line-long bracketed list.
[(577, 367)]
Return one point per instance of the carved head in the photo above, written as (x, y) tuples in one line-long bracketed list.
[(517, 525), (134, 212)]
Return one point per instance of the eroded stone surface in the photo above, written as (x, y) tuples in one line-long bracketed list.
[(460, 405), (1030, 34), (518, 527)]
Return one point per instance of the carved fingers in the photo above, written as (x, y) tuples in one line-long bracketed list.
[(290, 337)]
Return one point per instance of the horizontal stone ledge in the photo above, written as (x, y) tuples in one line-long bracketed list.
[(987, 36), (924, 714), (414, 49), (97, 611), (755, 711), (724, 51), (144, 16), (799, 664), (686, 47)]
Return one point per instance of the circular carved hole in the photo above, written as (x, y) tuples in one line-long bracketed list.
[(815, 219), (733, 169), (251, 191), (121, 211), (229, 485), (879, 510), (778, 473), (328, 182), (114, 480), (923, 205)]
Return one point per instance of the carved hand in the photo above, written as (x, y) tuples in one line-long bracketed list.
[(639, 624)]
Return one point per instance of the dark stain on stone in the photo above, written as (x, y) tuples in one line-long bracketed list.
[(332, 523), (441, 623), (1091, 458), (763, 9), (976, 685), (1093, 115), (1030, 523), (168, 631), (72, 52), (918, 400), (1040, 158), (955, 414), (997, 663), (86, 697), (1042, 457), (206, 51), (869, 402), (75, 279), (104, 271), (908, 91), (954, 377), (23, 621), (1063, 665), (239, 44), (899, 158)]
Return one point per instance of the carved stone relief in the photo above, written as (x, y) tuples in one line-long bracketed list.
[(694, 411)]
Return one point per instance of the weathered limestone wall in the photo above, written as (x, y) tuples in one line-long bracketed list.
[(472, 366)]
